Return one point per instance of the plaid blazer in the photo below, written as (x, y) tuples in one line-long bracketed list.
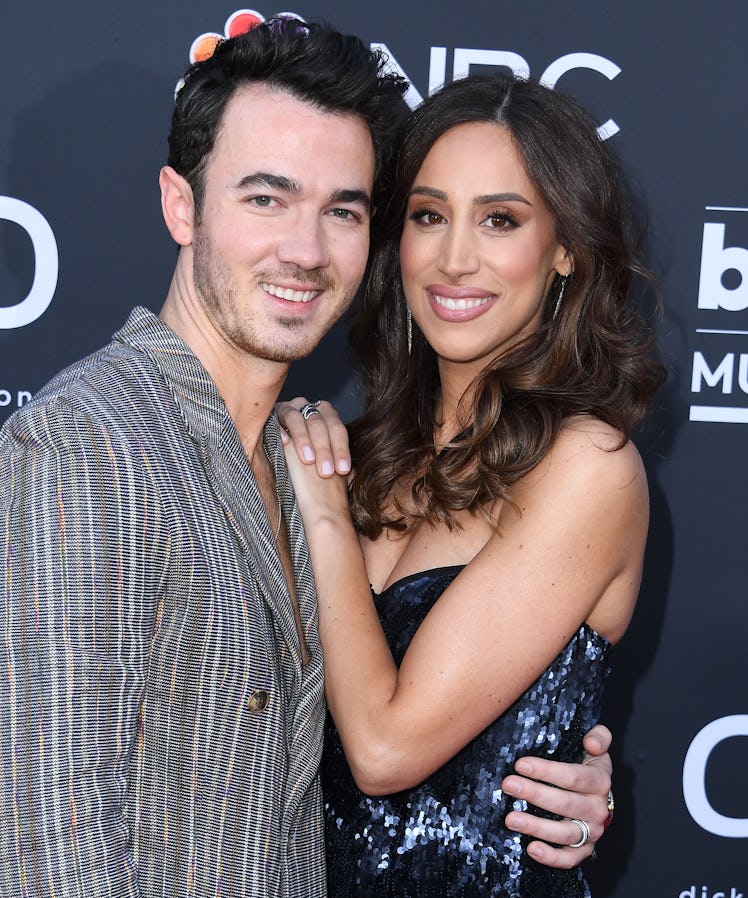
[(158, 732)]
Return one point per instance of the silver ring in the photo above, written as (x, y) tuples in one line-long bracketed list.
[(310, 408), (584, 829)]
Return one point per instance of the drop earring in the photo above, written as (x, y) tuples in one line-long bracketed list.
[(564, 278), (409, 325)]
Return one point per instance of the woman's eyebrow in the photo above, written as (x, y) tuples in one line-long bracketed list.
[(483, 199)]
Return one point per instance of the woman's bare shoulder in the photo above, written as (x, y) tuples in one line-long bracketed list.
[(589, 470)]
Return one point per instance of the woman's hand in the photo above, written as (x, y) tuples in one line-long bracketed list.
[(315, 443), (319, 438)]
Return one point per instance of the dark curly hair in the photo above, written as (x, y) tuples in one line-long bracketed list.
[(314, 63), (596, 358)]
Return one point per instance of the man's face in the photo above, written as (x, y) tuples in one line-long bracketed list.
[(282, 239)]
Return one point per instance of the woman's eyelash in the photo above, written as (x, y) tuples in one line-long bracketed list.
[(504, 216), (418, 214)]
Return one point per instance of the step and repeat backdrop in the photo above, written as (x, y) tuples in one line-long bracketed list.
[(87, 89)]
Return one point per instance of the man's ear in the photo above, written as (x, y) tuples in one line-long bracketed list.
[(177, 205)]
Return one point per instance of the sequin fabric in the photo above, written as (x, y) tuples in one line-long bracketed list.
[(446, 837)]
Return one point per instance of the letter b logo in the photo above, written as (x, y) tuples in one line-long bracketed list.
[(716, 259)]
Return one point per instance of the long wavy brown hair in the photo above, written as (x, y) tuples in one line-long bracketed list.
[(595, 358)]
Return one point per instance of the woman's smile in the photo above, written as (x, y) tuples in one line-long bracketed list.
[(459, 303)]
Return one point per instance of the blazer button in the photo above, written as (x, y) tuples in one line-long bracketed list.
[(258, 701)]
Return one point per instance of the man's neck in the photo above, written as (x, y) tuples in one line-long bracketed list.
[(249, 386)]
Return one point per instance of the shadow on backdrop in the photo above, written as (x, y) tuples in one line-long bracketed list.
[(632, 658)]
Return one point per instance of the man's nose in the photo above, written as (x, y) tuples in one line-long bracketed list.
[(305, 243)]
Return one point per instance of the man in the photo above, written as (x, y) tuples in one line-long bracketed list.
[(161, 699)]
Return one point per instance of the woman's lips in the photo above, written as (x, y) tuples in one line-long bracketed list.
[(459, 303)]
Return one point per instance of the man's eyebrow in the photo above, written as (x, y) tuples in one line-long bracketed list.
[(273, 182), (288, 185), (361, 197)]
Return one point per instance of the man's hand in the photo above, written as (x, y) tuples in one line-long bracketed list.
[(576, 791)]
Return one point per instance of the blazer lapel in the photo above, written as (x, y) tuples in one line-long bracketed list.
[(306, 706), (236, 489)]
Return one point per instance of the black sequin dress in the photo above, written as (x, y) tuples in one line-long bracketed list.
[(446, 837)]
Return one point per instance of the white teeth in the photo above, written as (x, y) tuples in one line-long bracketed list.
[(460, 304), (290, 295)]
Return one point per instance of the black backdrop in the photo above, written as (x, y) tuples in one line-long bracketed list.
[(87, 90)]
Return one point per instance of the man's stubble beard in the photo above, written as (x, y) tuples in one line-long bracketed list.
[(223, 305)]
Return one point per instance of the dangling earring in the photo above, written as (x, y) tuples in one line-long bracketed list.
[(409, 322), (564, 278)]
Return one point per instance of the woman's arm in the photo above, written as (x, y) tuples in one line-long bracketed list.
[(573, 554), (571, 790)]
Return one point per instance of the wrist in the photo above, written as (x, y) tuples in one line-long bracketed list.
[(329, 522)]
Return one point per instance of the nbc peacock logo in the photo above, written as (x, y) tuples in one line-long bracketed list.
[(239, 22)]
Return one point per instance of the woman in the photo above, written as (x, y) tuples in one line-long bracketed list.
[(499, 512)]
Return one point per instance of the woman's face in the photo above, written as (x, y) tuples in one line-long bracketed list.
[(478, 250)]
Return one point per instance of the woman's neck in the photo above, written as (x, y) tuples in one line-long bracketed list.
[(458, 385)]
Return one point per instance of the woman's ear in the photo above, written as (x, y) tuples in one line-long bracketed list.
[(177, 205), (564, 262)]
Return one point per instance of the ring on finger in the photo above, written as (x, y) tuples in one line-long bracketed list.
[(584, 833), (309, 408), (611, 809)]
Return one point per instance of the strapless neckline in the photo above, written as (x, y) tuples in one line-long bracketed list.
[(451, 571), (443, 570)]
